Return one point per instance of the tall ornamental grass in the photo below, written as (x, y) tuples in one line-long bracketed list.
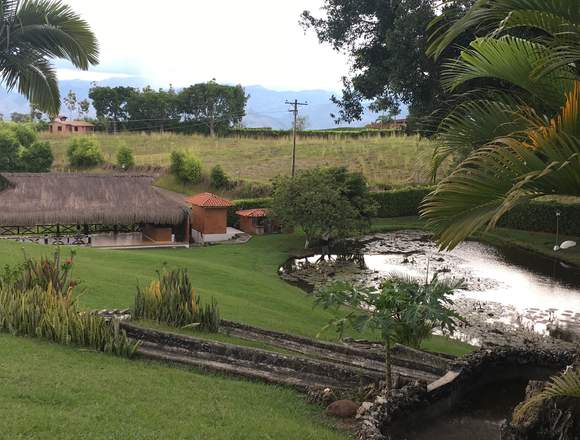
[(170, 299)]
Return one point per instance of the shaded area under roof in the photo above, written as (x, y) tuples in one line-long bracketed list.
[(76, 198)]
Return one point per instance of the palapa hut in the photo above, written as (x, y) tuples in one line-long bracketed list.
[(59, 203)]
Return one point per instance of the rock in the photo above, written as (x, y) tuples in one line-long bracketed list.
[(342, 408), (363, 409)]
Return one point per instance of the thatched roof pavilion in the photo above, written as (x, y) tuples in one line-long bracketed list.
[(73, 199)]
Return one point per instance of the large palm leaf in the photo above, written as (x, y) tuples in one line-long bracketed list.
[(507, 172), (32, 32)]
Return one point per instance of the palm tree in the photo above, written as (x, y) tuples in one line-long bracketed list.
[(31, 33), (516, 131)]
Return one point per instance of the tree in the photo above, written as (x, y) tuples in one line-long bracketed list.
[(70, 102), (19, 117), (402, 310), (386, 41), (215, 105), (125, 158), (83, 108), (9, 147), (33, 32), (25, 134), (326, 203), (520, 130), (84, 152), (185, 167), (110, 103), (302, 123), (152, 110), (37, 158)]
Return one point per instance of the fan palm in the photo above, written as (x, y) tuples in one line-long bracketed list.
[(31, 33), (518, 132)]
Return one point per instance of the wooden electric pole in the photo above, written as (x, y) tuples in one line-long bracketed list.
[(294, 110)]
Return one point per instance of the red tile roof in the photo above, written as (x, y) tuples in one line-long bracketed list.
[(257, 212), (209, 200)]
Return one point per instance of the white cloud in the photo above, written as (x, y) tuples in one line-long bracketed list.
[(187, 41)]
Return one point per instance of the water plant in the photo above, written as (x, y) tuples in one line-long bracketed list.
[(170, 299)]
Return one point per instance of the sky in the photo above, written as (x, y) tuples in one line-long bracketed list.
[(182, 42)]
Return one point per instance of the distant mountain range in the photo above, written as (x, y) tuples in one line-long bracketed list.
[(265, 107)]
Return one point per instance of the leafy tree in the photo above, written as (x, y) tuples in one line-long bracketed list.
[(19, 117), (403, 310), (33, 32), (83, 107), (84, 152), (519, 131), (218, 178), (326, 203), (215, 105), (110, 103), (9, 148), (70, 102), (152, 110), (37, 158), (386, 41), (186, 167), (25, 134), (125, 158), (302, 123)]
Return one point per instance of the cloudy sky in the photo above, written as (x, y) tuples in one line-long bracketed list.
[(187, 41)]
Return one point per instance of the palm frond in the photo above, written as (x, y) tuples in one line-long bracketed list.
[(505, 173)]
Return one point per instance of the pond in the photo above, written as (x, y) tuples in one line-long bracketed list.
[(508, 287)]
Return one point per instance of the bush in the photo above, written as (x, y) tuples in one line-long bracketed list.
[(125, 158), (186, 167), (25, 134), (218, 178), (239, 205), (171, 300), (402, 202), (84, 152), (37, 158), (9, 148), (540, 216)]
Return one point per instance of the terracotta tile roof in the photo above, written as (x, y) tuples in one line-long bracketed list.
[(209, 200), (257, 212)]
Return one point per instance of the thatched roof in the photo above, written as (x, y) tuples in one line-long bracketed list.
[(54, 198)]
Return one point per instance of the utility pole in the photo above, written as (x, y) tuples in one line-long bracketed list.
[(294, 110)]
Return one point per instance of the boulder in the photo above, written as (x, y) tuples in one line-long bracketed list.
[(342, 408)]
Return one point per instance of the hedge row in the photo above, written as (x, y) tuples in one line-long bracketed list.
[(268, 133), (402, 202), (241, 204), (541, 217)]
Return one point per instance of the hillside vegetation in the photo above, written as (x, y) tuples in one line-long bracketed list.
[(389, 161)]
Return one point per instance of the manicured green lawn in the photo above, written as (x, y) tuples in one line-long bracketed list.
[(54, 392)]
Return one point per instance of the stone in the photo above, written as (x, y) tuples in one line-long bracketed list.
[(363, 409), (342, 408)]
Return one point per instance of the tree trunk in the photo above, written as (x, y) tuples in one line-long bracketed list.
[(389, 374)]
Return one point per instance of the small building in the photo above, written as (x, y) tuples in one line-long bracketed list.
[(209, 218), (256, 221), (64, 126), (99, 210)]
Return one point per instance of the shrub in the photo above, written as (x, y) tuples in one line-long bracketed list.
[(171, 300), (9, 147), (84, 152), (541, 217), (218, 178), (185, 167), (400, 202), (36, 299), (37, 158), (125, 158), (25, 134)]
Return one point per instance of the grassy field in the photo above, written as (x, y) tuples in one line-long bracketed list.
[(55, 392), (385, 161)]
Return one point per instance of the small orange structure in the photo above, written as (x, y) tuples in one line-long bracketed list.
[(64, 126), (256, 221), (209, 213)]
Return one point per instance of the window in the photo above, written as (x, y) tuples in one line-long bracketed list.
[(76, 129), (59, 128)]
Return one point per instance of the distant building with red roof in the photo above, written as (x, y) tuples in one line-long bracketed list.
[(64, 126), (209, 213), (256, 221)]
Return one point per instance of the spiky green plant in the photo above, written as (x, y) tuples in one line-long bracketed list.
[(170, 299)]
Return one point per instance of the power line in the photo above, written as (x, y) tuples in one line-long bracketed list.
[(294, 110)]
